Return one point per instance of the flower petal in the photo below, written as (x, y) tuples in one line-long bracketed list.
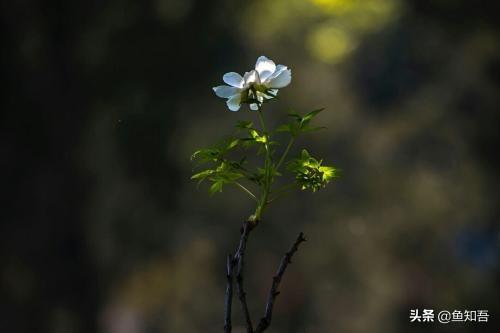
[(281, 80), (233, 103), (254, 107), (265, 67), (251, 78), (278, 71), (226, 91), (233, 79)]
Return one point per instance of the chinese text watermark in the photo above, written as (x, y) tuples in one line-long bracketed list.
[(445, 316)]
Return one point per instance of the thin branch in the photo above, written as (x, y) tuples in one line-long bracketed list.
[(229, 295), (239, 275), (247, 191), (238, 167), (261, 120), (285, 153), (266, 187), (273, 292)]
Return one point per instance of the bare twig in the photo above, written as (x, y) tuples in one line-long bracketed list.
[(240, 257), (239, 260), (273, 292), (229, 295)]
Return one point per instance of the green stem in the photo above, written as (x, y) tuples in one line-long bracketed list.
[(267, 167), (261, 119), (285, 153), (247, 191)]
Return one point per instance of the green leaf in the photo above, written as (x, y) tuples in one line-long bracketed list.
[(309, 173), (300, 123), (305, 154), (202, 175), (232, 143), (207, 155), (241, 124), (216, 187), (312, 114), (304, 122), (253, 133), (329, 173), (257, 137), (228, 172), (262, 139)]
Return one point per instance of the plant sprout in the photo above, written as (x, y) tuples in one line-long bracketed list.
[(256, 88), (227, 163)]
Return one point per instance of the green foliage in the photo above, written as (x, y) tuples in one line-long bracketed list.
[(300, 124), (309, 173), (222, 169), (216, 153), (257, 137), (207, 155), (225, 173)]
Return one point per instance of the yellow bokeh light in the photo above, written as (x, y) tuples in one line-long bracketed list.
[(330, 29), (360, 15), (330, 44), (337, 6)]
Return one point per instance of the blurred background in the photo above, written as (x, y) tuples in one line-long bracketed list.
[(104, 102)]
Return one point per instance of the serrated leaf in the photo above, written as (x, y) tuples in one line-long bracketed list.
[(203, 174), (328, 173), (216, 187), (232, 144), (207, 155), (261, 139), (253, 133), (312, 114), (304, 154), (309, 173)]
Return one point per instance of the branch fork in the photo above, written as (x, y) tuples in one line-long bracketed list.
[(237, 262)]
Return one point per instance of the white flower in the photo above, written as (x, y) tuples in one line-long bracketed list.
[(261, 83)]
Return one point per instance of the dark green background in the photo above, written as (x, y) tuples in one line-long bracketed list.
[(104, 101)]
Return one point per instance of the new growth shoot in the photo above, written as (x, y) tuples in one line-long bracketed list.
[(226, 163)]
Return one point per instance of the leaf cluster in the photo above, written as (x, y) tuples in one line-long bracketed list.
[(310, 173), (300, 124), (220, 169)]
